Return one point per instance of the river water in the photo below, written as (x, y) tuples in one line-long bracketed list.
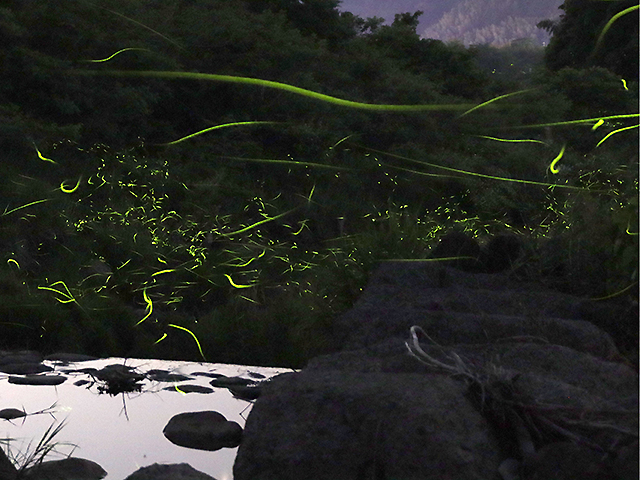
[(123, 432)]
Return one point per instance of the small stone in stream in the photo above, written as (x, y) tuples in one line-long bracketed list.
[(11, 413), (38, 380), (207, 374), (26, 356), (176, 471), (69, 357), (226, 381), (206, 430), (245, 392), (165, 376), (189, 389), (24, 368)]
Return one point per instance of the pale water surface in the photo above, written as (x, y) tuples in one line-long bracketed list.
[(124, 432)]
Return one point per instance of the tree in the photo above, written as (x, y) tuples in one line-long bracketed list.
[(575, 37)]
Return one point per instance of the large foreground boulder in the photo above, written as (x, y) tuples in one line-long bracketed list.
[(445, 374), (337, 425)]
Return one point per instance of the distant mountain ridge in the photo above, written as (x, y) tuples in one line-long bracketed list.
[(496, 22)]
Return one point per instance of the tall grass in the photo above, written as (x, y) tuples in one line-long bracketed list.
[(174, 251)]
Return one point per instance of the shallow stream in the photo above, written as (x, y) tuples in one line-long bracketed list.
[(123, 432)]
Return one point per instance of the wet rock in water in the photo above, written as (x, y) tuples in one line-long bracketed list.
[(38, 380), (165, 376), (177, 471), (245, 392), (67, 469), (11, 413), (118, 378), (24, 368), (224, 382), (205, 430), (23, 356), (69, 357), (189, 389)]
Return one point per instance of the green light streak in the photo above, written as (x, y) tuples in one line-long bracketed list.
[(575, 122), (496, 99), (119, 51), (269, 219), (11, 260), (64, 189), (69, 298), (474, 174), (614, 132), (552, 166), (41, 157), (173, 42), (235, 285), (508, 140), (235, 124), (286, 162), (278, 86), (620, 292), (609, 23), (24, 206), (149, 307), (194, 337), (163, 271)]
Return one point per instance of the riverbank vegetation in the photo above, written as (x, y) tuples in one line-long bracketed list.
[(217, 179)]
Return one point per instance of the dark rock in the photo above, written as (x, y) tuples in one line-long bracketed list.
[(11, 413), (207, 374), (116, 372), (203, 431), (503, 370), (625, 466), (227, 381), (8, 471), (24, 356), (564, 461), (165, 376), (500, 253), (454, 245), (245, 392), (67, 469), (337, 425), (178, 471), (189, 389), (69, 357), (24, 368), (38, 380), (118, 378)]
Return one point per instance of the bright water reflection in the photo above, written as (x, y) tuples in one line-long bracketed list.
[(124, 432)]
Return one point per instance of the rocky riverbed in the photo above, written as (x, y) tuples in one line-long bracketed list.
[(162, 418)]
